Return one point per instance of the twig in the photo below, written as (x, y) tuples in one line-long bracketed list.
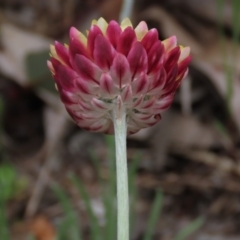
[(185, 96), (222, 163), (55, 123)]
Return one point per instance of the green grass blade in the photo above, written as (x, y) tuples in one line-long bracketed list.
[(231, 67), (95, 229), (110, 203), (108, 190), (1, 127), (154, 215), (31, 238), (236, 28), (8, 190), (104, 194), (96, 165), (1, 112), (69, 228), (4, 233), (111, 146), (191, 228), (132, 188), (227, 66)]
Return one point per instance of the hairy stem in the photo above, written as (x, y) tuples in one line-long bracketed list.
[(120, 128)]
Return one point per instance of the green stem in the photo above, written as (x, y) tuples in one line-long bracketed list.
[(120, 128)]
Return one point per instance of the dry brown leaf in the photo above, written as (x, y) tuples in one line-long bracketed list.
[(218, 77), (16, 44), (110, 10), (42, 229), (207, 10), (170, 27), (221, 163), (56, 124), (179, 130)]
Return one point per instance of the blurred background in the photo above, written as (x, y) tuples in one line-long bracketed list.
[(192, 156)]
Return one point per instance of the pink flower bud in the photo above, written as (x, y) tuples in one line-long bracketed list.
[(118, 63)]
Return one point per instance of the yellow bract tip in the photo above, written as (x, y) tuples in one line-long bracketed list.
[(126, 23), (94, 22), (53, 51), (82, 38), (141, 30), (102, 25), (185, 52)]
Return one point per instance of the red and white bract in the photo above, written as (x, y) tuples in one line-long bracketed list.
[(117, 62)]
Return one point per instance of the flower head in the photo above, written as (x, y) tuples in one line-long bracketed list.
[(117, 62)]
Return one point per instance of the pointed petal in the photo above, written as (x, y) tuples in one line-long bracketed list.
[(83, 123), (73, 107), (126, 40), (93, 33), (87, 69), (162, 104), (182, 76), (140, 85), (172, 74), (171, 80), (170, 43), (182, 66), (92, 115), (68, 97), (158, 83), (101, 106), (120, 71), (55, 63), (86, 89), (126, 94), (141, 119), (107, 86), (85, 106), (74, 33), (65, 77), (102, 25), (113, 33), (147, 104), (94, 22), (143, 116), (155, 57), (137, 103), (50, 66), (185, 52), (101, 125), (103, 53), (132, 126), (77, 43), (141, 30), (126, 23), (62, 53), (137, 59), (149, 39), (145, 120), (172, 58), (53, 52)]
